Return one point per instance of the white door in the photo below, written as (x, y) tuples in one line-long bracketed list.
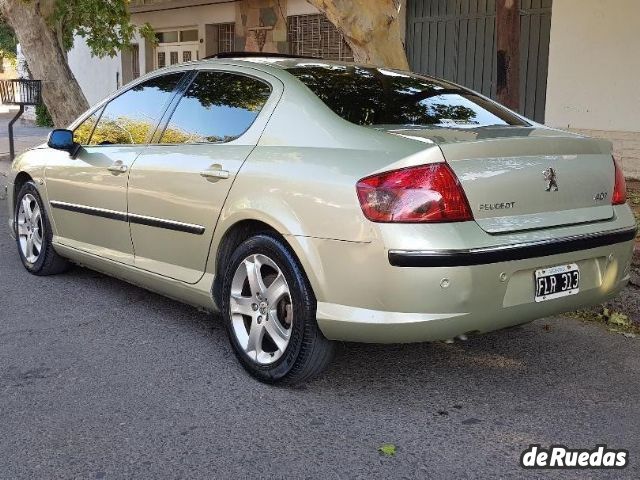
[(171, 54)]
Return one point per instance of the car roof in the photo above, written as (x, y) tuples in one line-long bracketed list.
[(275, 65), (278, 65), (281, 62), (276, 59)]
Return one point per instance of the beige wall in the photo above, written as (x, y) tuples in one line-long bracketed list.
[(594, 65), (594, 73), (188, 17), (300, 7), (161, 16), (192, 17)]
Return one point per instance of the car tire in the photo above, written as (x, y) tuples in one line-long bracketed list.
[(34, 233), (292, 314)]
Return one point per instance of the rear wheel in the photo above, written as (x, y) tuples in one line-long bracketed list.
[(269, 311), (34, 234)]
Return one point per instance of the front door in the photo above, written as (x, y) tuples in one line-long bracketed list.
[(89, 202), (177, 187), (88, 194)]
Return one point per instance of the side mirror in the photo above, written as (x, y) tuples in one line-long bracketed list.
[(62, 139)]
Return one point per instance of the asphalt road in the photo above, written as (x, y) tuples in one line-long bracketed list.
[(100, 379)]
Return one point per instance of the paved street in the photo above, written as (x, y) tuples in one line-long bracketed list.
[(25, 134), (100, 379)]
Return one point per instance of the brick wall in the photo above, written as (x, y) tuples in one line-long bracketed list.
[(626, 148)]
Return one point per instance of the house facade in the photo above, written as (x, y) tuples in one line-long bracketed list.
[(578, 58), (579, 61), (194, 29)]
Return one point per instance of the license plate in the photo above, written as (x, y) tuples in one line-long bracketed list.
[(556, 282)]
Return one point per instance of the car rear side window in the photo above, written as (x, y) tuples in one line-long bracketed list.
[(133, 116), (376, 96), (217, 107)]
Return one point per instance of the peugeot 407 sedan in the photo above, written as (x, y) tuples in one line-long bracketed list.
[(312, 201)]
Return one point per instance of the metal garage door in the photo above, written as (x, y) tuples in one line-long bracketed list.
[(455, 39)]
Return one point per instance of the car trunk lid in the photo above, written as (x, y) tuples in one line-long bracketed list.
[(519, 178)]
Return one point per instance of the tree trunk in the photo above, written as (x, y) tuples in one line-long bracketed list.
[(46, 59), (508, 51), (371, 28)]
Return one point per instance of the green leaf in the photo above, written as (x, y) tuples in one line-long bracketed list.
[(8, 41), (105, 25), (146, 31), (43, 118), (387, 449)]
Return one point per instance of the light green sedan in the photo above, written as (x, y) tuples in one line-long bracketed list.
[(312, 201)]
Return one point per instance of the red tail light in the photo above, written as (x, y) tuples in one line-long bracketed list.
[(620, 187), (424, 194)]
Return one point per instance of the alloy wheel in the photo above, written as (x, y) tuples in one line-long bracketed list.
[(30, 228), (261, 309)]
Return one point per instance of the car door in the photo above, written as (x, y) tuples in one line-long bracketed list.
[(88, 193), (177, 187)]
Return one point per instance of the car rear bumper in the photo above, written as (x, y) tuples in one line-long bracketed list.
[(350, 324), (502, 253), (429, 301)]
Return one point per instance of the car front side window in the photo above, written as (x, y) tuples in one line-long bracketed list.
[(131, 117), (217, 107), (82, 133)]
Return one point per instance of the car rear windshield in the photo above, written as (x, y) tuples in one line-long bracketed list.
[(375, 96)]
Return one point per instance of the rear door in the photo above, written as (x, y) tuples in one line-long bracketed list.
[(88, 193), (177, 187)]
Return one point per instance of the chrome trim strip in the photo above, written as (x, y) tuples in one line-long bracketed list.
[(98, 212), (166, 224), (130, 217), (503, 253)]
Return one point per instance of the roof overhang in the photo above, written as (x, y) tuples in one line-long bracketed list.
[(140, 6)]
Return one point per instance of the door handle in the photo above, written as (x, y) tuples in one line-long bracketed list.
[(117, 167), (215, 172)]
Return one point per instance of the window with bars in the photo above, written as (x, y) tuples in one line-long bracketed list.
[(315, 36), (226, 37), (173, 58), (162, 59), (135, 60)]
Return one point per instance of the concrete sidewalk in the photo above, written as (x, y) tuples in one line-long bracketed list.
[(25, 134)]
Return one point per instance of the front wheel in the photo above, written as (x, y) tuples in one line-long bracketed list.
[(34, 234), (270, 313)]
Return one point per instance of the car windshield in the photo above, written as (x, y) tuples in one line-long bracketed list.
[(376, 96)]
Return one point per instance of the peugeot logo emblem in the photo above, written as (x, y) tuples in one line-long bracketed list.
[(550, 177)]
